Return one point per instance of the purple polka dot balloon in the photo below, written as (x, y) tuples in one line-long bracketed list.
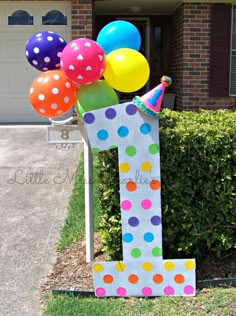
[(43, 50)]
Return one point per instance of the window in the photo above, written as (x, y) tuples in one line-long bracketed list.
[(20, 17), (54, 17)]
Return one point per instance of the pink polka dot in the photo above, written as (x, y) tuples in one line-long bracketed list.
[(121, 291), (147, 291), (126, 205), (100, 291), (168, 290), (146, 204), (188, 290)]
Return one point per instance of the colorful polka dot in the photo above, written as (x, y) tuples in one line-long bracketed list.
[(133, 279), (89, 118), (157, 252), (131, 109), (123, 131), (126, 205), (124, 167), (113, 147), (169, 266), (157, 278), (95, 150), (155, 184), (156, 220), (136, 253), (130, 151), (120, 266), (146, 204), (146, 166), (121, 291), (108, 279), (110, 113), (147, 291), (102, 134), (189, 290), (98, 267), (133, 221), (145, 128), (179, 278), (153, 149), (169, 290), (148, 237), (128, 237), (100, 291), (147, 266), (131, 186), (189, 264)]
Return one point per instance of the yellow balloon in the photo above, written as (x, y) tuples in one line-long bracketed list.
[(127, 70)]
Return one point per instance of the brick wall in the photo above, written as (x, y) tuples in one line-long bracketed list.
[(190, 58)]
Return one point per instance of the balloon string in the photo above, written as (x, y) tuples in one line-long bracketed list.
[(66, 121)]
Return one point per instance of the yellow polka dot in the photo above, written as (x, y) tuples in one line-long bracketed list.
[(146, 166), (124, 167), (189, 264), (120, 266), (98, 267), (169, 265), (147, 266)]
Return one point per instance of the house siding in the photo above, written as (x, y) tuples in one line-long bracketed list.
[(191, 58)]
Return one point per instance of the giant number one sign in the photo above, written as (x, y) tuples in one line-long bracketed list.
[(143, 272)]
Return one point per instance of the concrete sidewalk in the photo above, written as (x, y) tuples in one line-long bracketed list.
[(35, 184)]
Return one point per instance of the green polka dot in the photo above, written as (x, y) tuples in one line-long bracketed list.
[(136, 253), (156, 252), (95, 150), (154, 149), (130, 151), (113, 147)]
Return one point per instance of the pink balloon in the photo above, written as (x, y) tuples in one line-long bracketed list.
[(83, 61)]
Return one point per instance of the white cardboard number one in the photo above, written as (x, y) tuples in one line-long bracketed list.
[(143, 272)]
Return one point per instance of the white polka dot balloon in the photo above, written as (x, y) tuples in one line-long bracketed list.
[(43, 50)]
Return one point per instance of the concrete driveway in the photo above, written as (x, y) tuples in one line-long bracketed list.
[(35, 184)]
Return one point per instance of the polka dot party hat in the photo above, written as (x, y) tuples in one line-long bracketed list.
[(150, 103)]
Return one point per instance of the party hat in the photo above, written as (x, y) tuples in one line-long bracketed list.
[(150, 103)]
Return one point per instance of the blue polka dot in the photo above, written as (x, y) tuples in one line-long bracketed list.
[(148, 237), (128, 237), (89, 118), (102, 134), (145, 128), (123, 131)]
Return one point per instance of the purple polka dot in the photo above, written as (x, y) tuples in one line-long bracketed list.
[(188, 290), (121, 291), (131, 109), (89, 118), (110, 113), (133, 221), (156, 220)]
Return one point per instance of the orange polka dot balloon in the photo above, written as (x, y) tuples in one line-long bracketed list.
[(52, 94)]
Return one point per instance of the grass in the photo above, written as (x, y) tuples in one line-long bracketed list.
[(214, 301), (217, 302)]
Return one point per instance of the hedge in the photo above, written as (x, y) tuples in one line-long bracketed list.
[(198, 190)]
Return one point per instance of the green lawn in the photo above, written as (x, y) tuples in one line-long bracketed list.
[(215, 301)]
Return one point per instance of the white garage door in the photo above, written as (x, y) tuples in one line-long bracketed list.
[(18, 21)]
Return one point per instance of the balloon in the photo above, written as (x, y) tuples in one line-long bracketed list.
[(52, 94), (83, 61), (43, 50), (94, 96), (119, 34), (127, 70)]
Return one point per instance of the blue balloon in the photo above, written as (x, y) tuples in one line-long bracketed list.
[(119, 34)]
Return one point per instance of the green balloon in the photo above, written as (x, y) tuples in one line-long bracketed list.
[(95, 96)]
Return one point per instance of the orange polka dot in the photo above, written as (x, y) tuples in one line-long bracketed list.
[(179, 278), (133, 278), (157, 278), (155, 185), (131, 186), (108, 279)]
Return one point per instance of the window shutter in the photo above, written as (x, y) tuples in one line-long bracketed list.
[(220, 50)]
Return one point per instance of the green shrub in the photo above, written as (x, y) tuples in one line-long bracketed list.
[(198, 191)]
